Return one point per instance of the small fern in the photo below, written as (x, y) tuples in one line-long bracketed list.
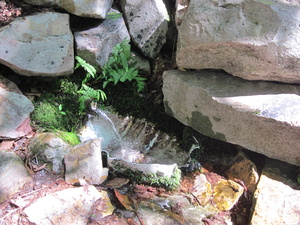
[(90, 70), (86, 92), (117, 69), (89, 93)]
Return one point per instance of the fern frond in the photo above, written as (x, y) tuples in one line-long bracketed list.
[(91, 70)]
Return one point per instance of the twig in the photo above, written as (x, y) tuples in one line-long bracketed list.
[(9, 213)]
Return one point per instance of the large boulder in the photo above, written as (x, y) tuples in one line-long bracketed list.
[(15, 109), (38, 45), (96, 44), (84, 8), (148, 24), (252, 39), (260, 116)]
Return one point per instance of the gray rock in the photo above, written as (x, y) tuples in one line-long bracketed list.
[(49, 149), (84, 161), (255, 40), (141, 64), (276, 200), (13, 174), (14, 111), (148, 24), (84, 8), (96, 44), (260, 116), (70, 206), (38, 45)]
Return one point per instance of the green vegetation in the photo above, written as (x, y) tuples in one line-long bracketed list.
[(68, 137), (88, 93), (169, 183), (114, 15), (65, 107), (119, 69)]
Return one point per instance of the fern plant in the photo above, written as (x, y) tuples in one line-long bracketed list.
[(87, 92), (118, 67)]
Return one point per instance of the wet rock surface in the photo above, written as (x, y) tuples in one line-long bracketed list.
[(196, 200)]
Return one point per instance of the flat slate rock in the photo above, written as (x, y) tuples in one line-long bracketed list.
[(255, 40), (70, 206), (260, 116), (38, 45)]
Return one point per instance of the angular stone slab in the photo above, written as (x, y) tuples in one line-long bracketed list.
[(96, 44), (252, 39), (148, 24), (263, 117), (85, 8), (38, 45), (276, 200), (70, 206), (13, 174), (84, 161), (15, 109)]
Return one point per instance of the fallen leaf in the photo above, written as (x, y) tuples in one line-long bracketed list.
[(125, 200), (117, 182)]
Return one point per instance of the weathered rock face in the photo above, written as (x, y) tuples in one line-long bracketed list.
[(226, 194), (260, 116), (147, 22), (14, 111), (84, 8), (96, 44), (244, 170), (84, 161), (13, 174), (49, 149), (251, 39), (38, 45), (276, 200)]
